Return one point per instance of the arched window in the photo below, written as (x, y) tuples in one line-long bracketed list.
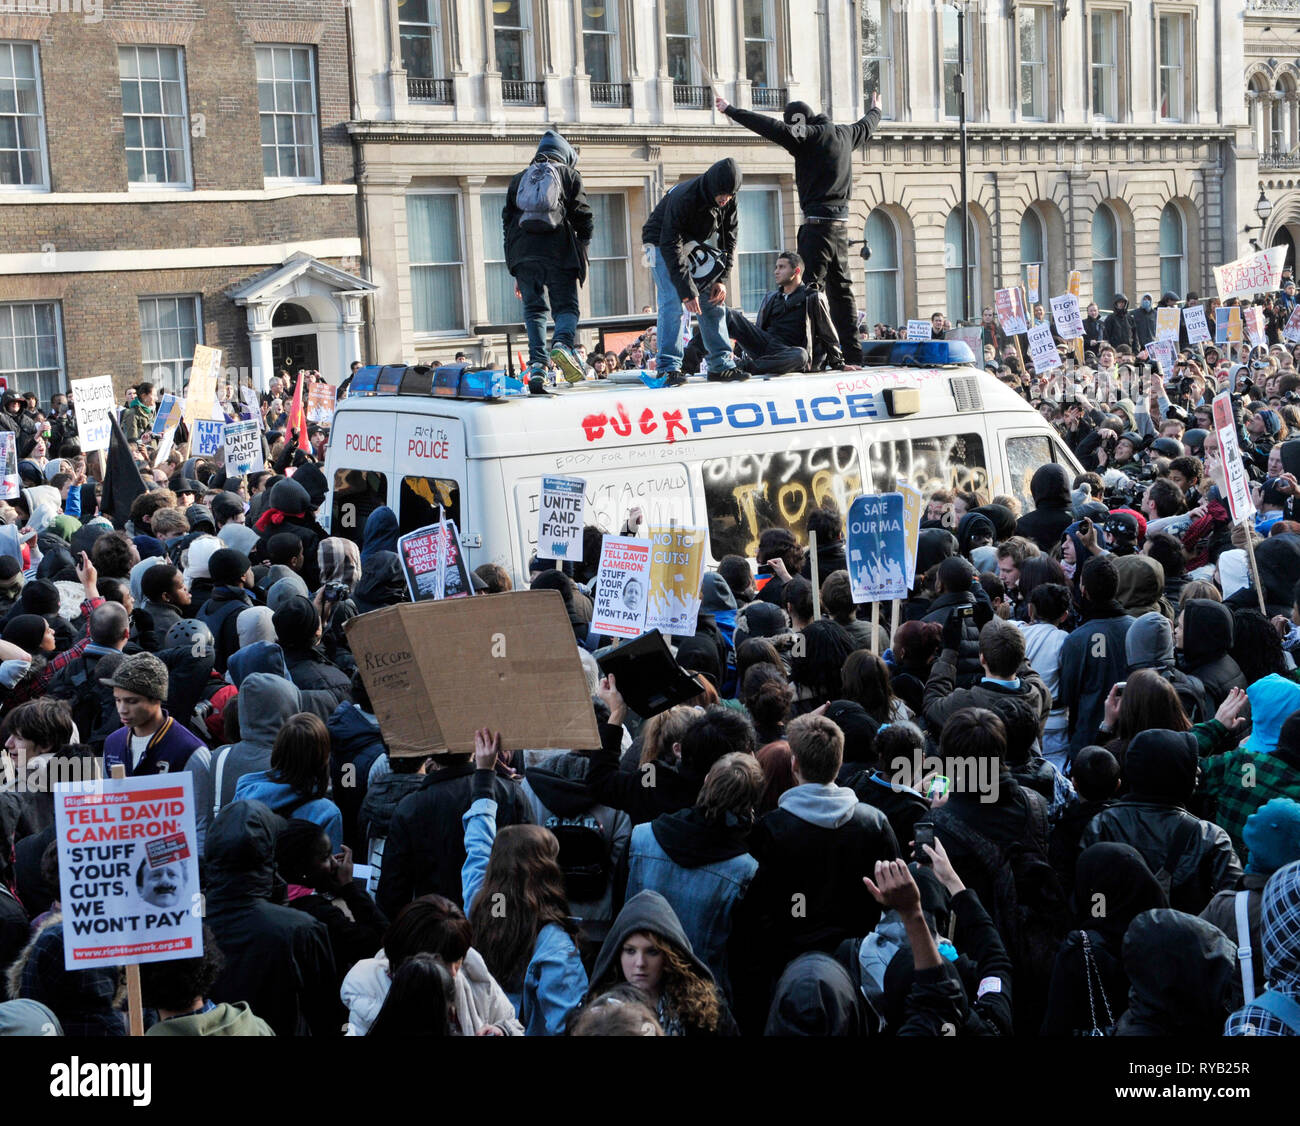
[(1033, 249), (1105, 257), (883, 305), (952, 260), (1173, 251)]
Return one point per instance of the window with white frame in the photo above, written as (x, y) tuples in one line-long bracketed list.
[(1172, 47), (682, 32), (950, 67), (1032, 23), (600, 41), (154, 116), (286, 99), (513, 36), (420, 28), (878, 54), (608, 282), (437, 262), (502, 304), (1104, 61), (1173, 250), (759, 242), (22, 124), (883, 302), (760, 42), (953, 253), (169, 330), (31, 351), (1105, 257), (1033, 248)]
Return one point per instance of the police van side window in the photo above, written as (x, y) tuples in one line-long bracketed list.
[(420, 498), (747, 493), (1024, 455), (953, 462), (357, 493)]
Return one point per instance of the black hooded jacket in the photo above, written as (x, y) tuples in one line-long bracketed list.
[(1278, 559), (816, 997), (382, 583), (822, 151), (565, 247), (277, 959), (689, 213), (1208, 632), (1119, 329), (1050, 488)]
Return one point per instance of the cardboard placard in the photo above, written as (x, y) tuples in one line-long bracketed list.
[(165, 444), (676, 572), (919, 330), (320, 403), (1227, 325), (1198, 331), (243, 443), (201, 391), (11, 484), (1164, 353), (95, 403), (434, 564), (877, 548), (1253, 319), (561, 508), (252, 408), (1042, 348), (1010, 306), (209, 435), (1256, 273), (1032, 273), (1065, 312), (516, 670), (1234, 469), (128, 870), (1167, 324), (622, 585), (1075, 283), (913, 510), (170, 411)]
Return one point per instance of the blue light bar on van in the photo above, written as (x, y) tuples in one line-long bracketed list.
[(916, 353), (450, 381)]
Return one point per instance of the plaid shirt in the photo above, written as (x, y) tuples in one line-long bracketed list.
[(1242, 781), (1279, 926), (340, 561)]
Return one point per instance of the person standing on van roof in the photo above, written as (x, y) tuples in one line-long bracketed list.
[(548, 225), (677, 228), (823, 175)]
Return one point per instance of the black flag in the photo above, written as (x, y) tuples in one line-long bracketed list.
[(122, 480)]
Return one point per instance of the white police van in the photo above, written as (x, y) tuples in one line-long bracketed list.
[(737, 458)]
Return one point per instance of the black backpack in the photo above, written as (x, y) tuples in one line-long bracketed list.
[(584, 858)]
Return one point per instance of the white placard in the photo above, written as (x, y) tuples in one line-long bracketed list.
[(919, 330), (243, 443), (1065, 312), (559, 518), (1198, 330), (622, 586), (95, 404), (1234, 469), (1042, 348)]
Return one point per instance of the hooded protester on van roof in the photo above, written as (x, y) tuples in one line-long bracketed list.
[(566, 246), (1050, 488), (690, 213)]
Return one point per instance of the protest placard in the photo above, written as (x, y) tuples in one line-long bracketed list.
[(1164, 353), (1042, 348), (913, 509), (676, 572), (165, 444), (561, 508), (521, 643), (1074, 283), (1065, 312), (12, 483), (1167, 324), (201, 391), (243, 444), (622, 585), (434, 564), (169, 413), (1227, 325), (1198, 331), (320, 403), (1032, 273), (209, 434), (1256, 273), (95, 404), (1253, 321), (128, 870), (877, 546), (970, 335), (1234, 469), (1291, 330), (1010, 306), (919, 330)]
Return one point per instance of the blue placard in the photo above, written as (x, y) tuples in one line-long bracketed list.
[(877, 548), (208, 437)]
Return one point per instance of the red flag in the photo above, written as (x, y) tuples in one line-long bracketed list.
[(297, 420)]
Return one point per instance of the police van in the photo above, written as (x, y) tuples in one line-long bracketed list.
[(735, 458)]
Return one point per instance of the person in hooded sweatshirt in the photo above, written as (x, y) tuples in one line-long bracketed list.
[(1050, 489), (1191, 858), (1089, 988), (698, 859), (647, 948), (380, 534), (1149, 644), (546, 253), (1203, 636), (289, 509), (1276, 1012), (298, 780), (278, 960), (959, 593), (266, 703), (1272, 840), (1182, 973), (679, 229), (1093, 657), (815, 996), (382, 583), (177, 991)]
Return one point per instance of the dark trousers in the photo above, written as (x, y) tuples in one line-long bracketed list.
[(536, 281), (765, 353), (824, 248)]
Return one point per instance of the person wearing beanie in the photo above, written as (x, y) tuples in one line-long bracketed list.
[(1277, 1011), (1272, 838), (290, 510), (1270, 503), (232, 578), (30, 632), (298, 629), (149, 740), (11, 583)]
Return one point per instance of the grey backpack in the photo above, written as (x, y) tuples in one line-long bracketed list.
[(540, 198)]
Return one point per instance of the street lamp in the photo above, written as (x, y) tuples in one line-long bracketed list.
[(1263, 208)]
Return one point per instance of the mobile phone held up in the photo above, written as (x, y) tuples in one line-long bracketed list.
[(923, 834)]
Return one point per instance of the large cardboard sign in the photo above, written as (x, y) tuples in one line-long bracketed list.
[(515, 670), (1256, 273), (1234, 469), (320, 403), (243, 442), (434, 563), (128, 870), (1198, 331), (622, 585), (676, 572), (560, 517), (877, 543), (201, 392), (95, 404), (209, 437), (1010, 306)]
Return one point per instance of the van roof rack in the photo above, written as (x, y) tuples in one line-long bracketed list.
[(447, 381)]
